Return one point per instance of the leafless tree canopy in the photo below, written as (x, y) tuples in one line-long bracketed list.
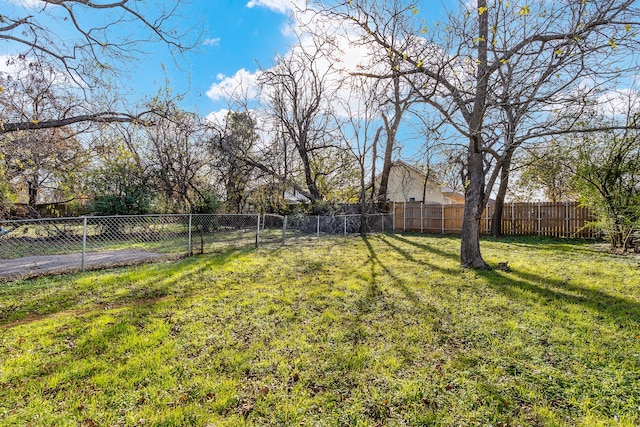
[(63, 35), (496, 71)]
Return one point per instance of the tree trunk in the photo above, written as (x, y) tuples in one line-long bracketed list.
[(391, 129), (308, 175), (384, 182), (33, 194), (496, 220), (470, 256)]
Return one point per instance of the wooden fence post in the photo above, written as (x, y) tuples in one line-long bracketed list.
[(421, 218), (442, 219), (566, 215), (513, 220), (486, 219), (393, 217), (404, 217)]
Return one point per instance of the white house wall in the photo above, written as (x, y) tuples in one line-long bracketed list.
[(406, 185)]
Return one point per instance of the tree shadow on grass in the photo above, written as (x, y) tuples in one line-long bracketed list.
[(398, 282), (40, 298), (546, 243), (426, 247), (620, 310)]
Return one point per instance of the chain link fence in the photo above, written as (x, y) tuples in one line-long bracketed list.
[(281, 229), (37, 246)]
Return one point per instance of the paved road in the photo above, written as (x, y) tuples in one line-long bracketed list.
[(51, 264)]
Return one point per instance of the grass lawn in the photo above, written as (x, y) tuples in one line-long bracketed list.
[(383, 331)]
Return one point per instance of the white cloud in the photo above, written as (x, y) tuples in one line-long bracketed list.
[(620, 102), (212, 42), (242, 85), (7, 66), (280, 6), (217, 117), (348, 55)]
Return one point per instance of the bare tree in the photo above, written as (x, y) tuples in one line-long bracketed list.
[(63, 35), (362, 133), (299, 91), (43, 159), (459, 68), (177, 158), (233, 146)]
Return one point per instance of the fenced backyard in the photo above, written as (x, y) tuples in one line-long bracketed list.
[(34, 246), (566, 219), (385, 330)]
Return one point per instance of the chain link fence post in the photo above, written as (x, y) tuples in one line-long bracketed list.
[(393, 217), (189, 250), (258, 232), (284, 229), (84, 242), (344, 226)]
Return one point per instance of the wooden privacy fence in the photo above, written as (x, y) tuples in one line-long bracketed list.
[(565, 219)]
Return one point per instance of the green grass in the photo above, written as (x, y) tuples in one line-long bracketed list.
[(388, 330)]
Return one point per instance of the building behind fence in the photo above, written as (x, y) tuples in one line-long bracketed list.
[(566, 219)]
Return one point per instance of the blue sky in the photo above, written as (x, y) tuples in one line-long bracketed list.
[(236, 35), (236, 38)]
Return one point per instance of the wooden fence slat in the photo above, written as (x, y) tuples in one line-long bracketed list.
[(541, 218)]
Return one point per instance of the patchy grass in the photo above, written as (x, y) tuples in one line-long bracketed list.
[(387, 330)]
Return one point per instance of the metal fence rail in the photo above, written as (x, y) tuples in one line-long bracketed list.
[(142, 237), (276, 228)]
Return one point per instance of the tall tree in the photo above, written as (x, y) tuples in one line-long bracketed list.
[(44, 158), (545, 170), (459, 68), (117, 181), (607, 175), (300, 91), (232, 146), (176, 157)]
